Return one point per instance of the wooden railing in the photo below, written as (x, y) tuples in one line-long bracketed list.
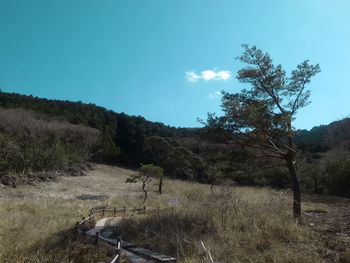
[(113, 246), (116, 210)]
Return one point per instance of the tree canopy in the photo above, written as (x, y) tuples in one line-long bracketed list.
[(261, 116)]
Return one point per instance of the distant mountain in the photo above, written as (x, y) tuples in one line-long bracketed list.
[(324, 137)]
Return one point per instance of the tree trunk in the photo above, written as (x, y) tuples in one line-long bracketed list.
[(296, 189), (144, 191), (160, 185), (293, 173)]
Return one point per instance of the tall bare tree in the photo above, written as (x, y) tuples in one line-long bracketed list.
[(261, 117)]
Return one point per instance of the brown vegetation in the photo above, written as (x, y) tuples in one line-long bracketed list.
[(29, 143), (237, 224)]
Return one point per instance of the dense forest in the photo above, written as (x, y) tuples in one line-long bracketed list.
[(121, 135), (39, 134)]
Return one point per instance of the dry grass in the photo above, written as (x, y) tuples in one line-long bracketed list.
[(36, 221), (236, 224)]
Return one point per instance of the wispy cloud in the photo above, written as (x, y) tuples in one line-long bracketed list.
[(192, 77), (214, 95), (208, 75)]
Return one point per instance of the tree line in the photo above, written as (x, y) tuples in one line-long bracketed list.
[(52, 130), (122, 135)]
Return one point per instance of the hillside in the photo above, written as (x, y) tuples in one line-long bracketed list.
[(122, 135), (44, 140), (237, 224), (126, 133), (325, 137), (56, 130)]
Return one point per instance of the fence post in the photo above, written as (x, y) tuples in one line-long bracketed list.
[(103, 211), (76, 227), (97, 237), (119, 249), (124, 209), (90, 218), (83, 223), (115, 211)]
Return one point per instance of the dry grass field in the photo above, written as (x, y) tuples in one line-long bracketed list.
[(237, 224)]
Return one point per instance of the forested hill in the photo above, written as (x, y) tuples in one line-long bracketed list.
[(325, 137), (46, 135), (122, 135)]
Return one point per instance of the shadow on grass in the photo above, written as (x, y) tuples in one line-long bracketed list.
[(65, 246), (327, 199), (163, 230)]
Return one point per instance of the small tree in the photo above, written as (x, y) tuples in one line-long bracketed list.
[(261, 117), (150, 170), (145, 176)]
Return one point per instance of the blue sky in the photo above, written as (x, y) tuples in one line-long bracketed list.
[(167, 59)]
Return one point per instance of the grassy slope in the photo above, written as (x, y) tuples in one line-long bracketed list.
[(236, 224)]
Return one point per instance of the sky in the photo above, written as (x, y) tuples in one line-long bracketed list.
[(168, 60)]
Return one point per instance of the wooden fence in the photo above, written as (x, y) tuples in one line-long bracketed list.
[(114, 246)]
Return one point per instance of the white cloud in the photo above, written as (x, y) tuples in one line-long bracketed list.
[(224, 74), (191, 76), (214, 95), (208, 75)]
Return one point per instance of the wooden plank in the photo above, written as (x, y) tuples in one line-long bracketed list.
[(152, 255), (133, 258), (127, 245), (110, 241), (99, 226), (121, 209)]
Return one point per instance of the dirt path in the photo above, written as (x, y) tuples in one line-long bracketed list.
[(329, 216)]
